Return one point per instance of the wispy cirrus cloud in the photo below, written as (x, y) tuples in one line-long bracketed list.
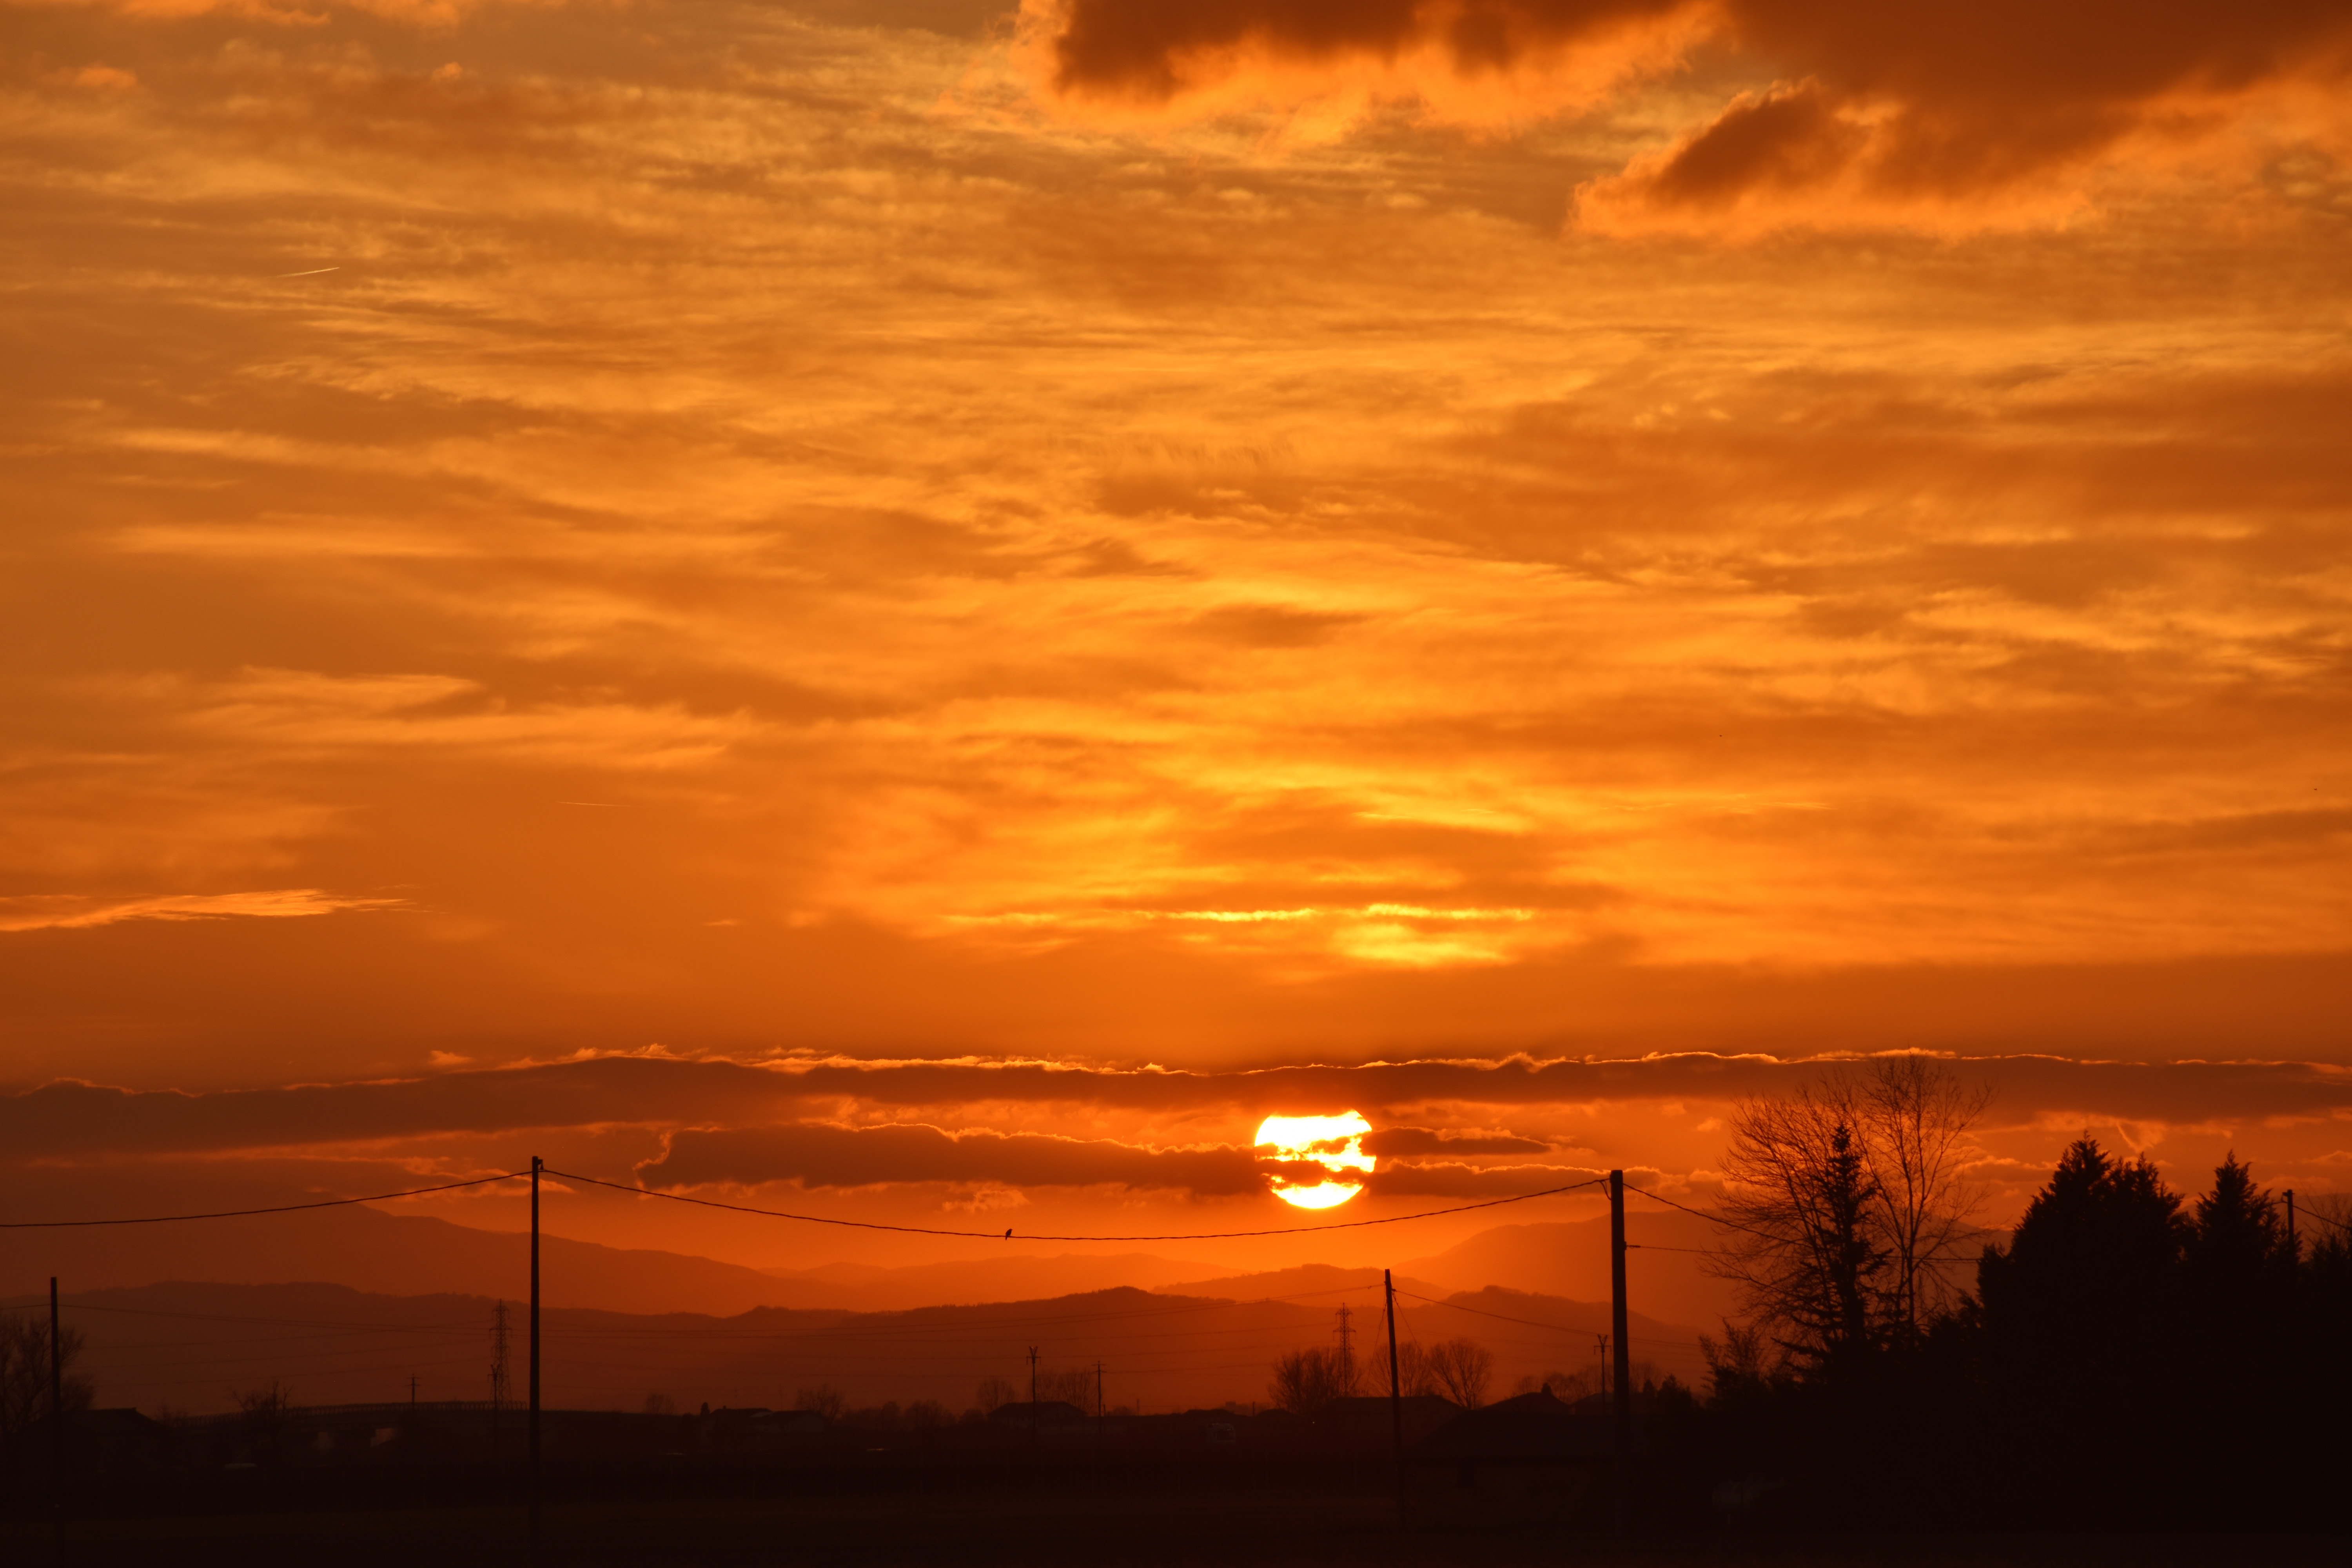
[(73, 911)]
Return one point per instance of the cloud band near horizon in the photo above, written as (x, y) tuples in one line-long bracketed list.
[(70, 1120)]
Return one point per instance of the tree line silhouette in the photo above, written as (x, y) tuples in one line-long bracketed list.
[(2126, 1357), (1307, 1382)]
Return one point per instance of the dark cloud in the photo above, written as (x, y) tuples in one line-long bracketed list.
[(1446, 1179), (1388, 1141), (1130, 47), (61, 1119), (66, 1119), (1787, 136), (1889, 103), (817, 1155)]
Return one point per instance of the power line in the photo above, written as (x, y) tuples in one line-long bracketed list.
[(1711, 1218), (2301, 1213), (239, 1214), (1007, 1235), (1523, 1323), (1735, 1224)]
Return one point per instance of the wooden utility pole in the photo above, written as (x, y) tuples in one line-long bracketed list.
[(1623, 1366), (1396, 1391), (57, 1418), (536, 1166)]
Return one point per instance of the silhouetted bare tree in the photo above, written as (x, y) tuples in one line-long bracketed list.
[(823, 1400), (1463, 1369), (1415, 1375), (263, 1412), (1307, 1381), (1846, 1204), (1071, 1384), (1743, 1359), (1799, 1199), (25, 1371), (1914, 1114)]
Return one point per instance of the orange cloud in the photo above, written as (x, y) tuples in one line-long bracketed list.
[(869, 566), (433, 14)]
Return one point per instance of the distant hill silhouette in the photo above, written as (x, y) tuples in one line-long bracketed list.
[(873, 1289), (413, 1254), (1570, 1258), (410, 1254), (189, 1345), (403, 1255), (1306, 1279)]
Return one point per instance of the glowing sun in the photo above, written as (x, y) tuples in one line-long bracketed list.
[(1333, 1143)]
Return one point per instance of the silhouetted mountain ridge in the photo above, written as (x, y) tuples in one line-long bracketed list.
[(192, 1344)]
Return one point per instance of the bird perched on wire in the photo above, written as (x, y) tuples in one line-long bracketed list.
[(1008, 1233)]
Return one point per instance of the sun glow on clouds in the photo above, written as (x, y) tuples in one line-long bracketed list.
[(1333, 1143), (1221, 556)]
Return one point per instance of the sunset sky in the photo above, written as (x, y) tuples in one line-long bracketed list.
[(924, 611)]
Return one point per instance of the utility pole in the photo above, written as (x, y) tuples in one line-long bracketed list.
[(536, 1166), (1601, 1351), (2293, 1249), (1347, 1350), (412, 1394), (1396, 1391), (57, 1418), (1099, 1396), (1623, 1366)]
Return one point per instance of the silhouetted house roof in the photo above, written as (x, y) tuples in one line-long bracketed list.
[(789, 1423), (95, 1439), (1046, 1416), (1529, 1457), (1187, 1431), (1370, 1421), (1529, 1427)]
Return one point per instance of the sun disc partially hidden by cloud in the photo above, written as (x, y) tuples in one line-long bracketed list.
[(1333, 1143)]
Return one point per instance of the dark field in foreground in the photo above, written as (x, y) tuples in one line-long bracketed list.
[(1273, 1528)]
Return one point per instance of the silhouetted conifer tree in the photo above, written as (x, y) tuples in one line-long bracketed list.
[(2243, 1372), (2083, 1321), (2237, 1249)]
